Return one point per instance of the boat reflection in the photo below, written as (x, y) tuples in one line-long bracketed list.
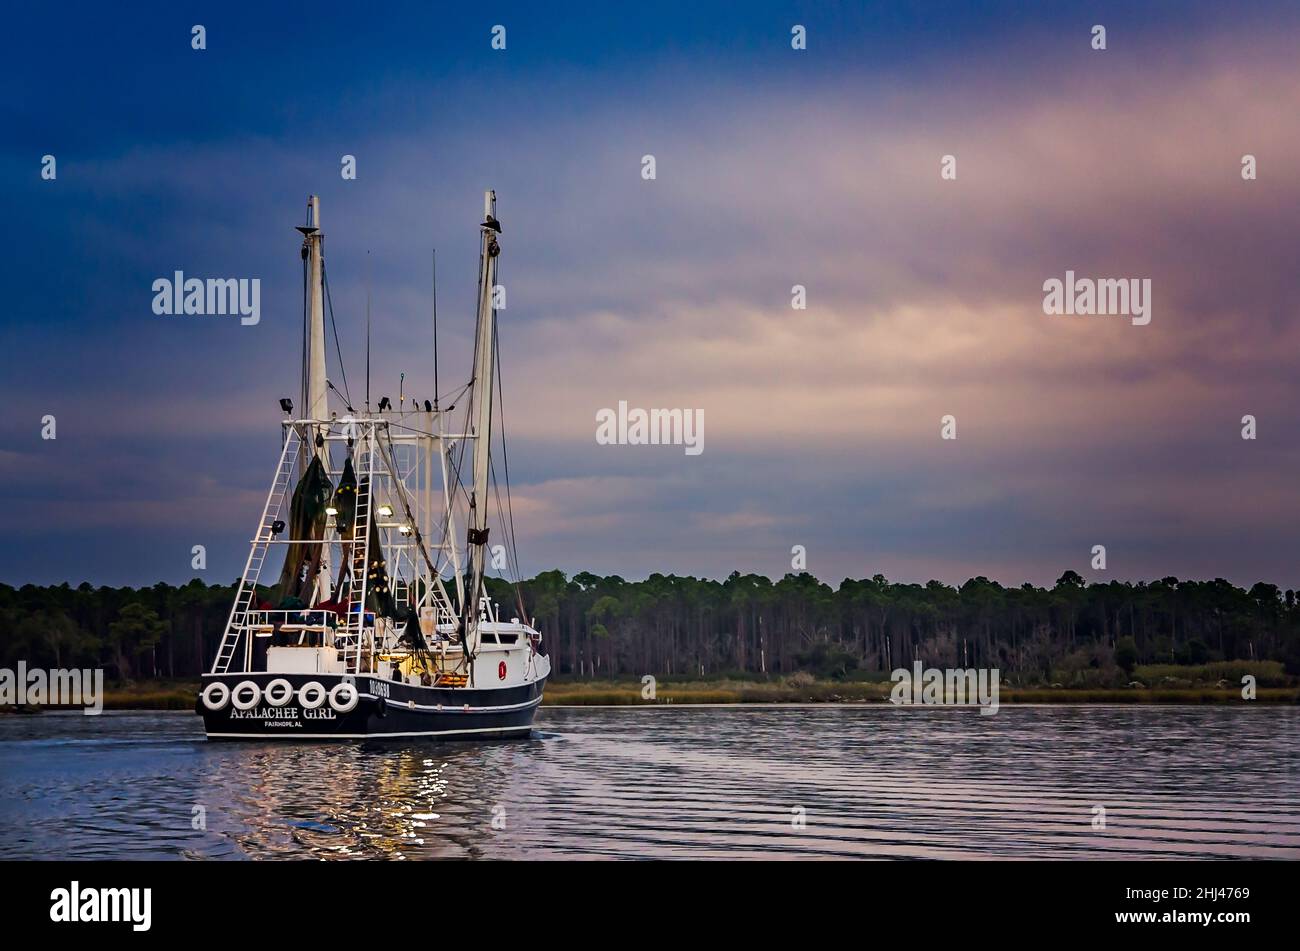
[(368, 800)]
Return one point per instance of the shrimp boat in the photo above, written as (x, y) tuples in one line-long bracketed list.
[(380, 624)]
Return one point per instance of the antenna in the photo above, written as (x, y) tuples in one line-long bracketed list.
[(435, 330), (367, 330)]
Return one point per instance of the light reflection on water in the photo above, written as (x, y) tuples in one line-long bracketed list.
[(713, 782)]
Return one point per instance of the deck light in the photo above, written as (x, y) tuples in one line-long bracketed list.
[(386, 511), (404, 529), (331, 510), (286, 404)]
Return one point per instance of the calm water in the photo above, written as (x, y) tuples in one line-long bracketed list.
[(715, 782)]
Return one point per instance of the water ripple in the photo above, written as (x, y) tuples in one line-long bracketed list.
[(718, 782)]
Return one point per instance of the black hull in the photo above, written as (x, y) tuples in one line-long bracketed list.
[(384, 709)]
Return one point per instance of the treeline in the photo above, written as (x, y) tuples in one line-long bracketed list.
[(747, 625)]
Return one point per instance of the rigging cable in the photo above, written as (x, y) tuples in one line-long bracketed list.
[(339, 350), (367, 331), (508, 526), (302, 395), (472, 596), (456, 485), (435, 329)]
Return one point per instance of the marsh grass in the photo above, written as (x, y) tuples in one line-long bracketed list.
[(790, 690), (152, 695), (1267, 673), (1158, 695), (139, 695)]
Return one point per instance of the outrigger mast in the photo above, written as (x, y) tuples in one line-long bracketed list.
[(315, 383), (484, 364)]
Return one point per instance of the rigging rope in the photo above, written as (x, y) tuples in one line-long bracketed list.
[(508, 524), (325, 280), (302, 394)]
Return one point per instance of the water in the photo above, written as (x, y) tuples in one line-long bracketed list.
[(706, 782)]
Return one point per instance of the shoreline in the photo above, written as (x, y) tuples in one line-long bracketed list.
[(182, 696), (672, 696)]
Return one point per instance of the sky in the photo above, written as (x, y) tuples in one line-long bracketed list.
[(774, 167)]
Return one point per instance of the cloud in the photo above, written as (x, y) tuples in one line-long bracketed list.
[(823, 424)]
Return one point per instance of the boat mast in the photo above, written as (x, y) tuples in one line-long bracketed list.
[(483, 373), (317, 387)]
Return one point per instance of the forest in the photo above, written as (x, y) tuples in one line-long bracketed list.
[(747, 626)]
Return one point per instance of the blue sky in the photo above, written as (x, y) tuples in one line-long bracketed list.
[(775, 167)]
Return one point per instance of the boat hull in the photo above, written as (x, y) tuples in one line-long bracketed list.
[(383, 708)]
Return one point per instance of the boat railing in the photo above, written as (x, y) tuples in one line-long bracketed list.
[(292, 618), (301, 627)]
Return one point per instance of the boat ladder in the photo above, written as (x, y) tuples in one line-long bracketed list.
[(247, 595), (358, 568)]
